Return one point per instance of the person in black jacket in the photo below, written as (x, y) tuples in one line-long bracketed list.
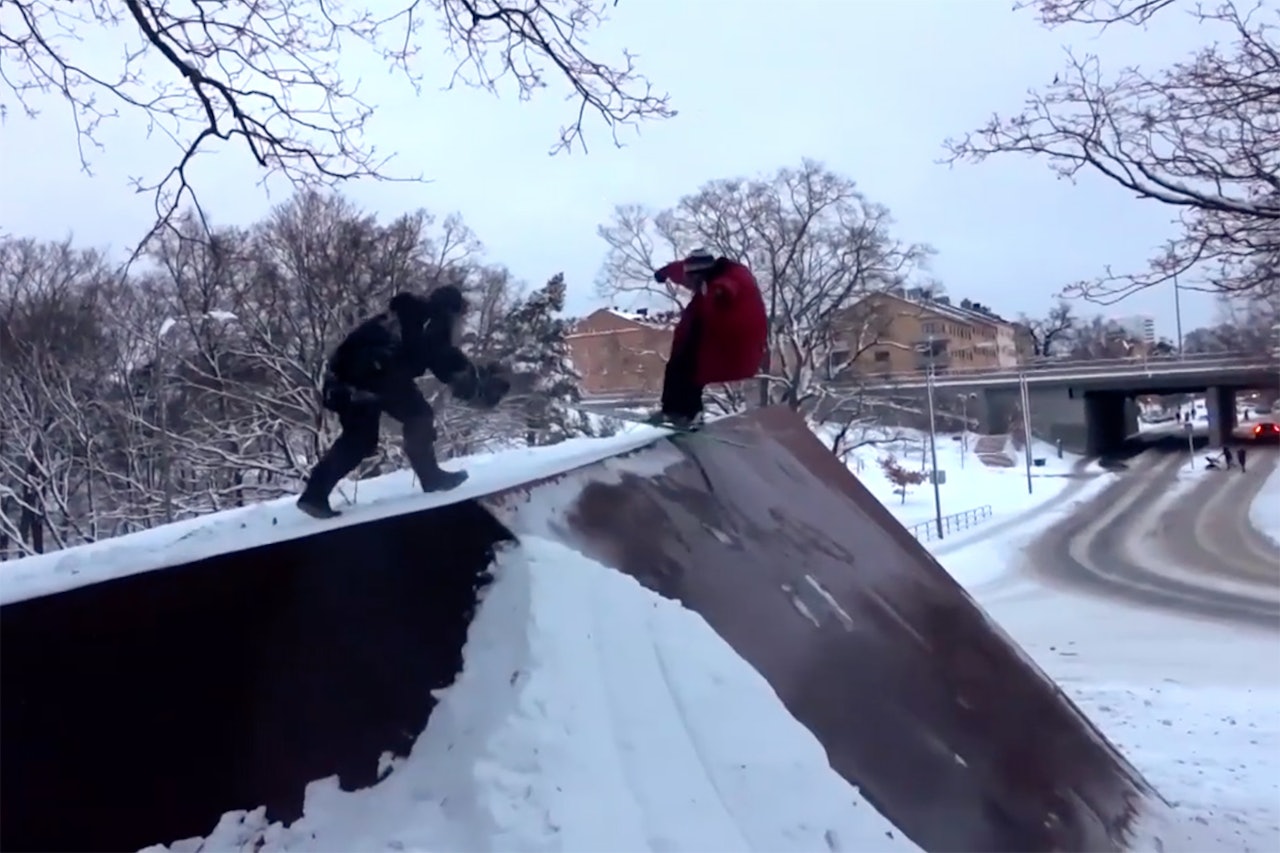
[(372, 372)]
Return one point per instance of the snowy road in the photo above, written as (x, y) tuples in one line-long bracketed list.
[(1213, 517), (1154, 539)]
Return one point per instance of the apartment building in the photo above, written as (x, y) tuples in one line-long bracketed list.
[(1140, 328), (900, 332), (620, 353)]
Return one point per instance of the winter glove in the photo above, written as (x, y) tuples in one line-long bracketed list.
[(481, 386), (660, 276), (493, 385), (339, 396), (465, 384)]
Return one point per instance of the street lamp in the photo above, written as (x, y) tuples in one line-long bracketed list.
[(1177, 311), (964, 425), (166, 446), (1025, 393), (933, 444)]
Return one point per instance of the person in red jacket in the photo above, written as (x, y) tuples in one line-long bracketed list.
[(721, 336)]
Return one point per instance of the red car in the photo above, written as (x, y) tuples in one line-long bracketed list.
[(1266, 430)]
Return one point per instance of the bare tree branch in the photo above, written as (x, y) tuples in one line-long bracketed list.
[(817, 246), (269, 77), (1201, 136)]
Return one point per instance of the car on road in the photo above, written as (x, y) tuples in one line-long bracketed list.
[(1266, 429)]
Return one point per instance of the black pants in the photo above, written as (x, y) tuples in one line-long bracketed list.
[(359, 437), (681, 393)]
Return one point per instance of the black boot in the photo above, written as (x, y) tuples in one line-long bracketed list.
[(314, 500), (419, 446)]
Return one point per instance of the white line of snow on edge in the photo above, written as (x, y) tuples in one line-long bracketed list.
[(279, 520)]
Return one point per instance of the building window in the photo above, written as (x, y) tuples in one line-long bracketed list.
[(837, 361), (882, 355), (929, 328)]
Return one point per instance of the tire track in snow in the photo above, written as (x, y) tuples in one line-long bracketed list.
[(1227, 509), (1089, 551), (1204, 536)]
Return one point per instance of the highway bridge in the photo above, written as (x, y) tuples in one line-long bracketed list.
[(1193, 372), (1087, 405)]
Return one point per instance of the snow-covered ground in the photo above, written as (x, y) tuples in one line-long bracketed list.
[(970, 484), (591, 715), (1264, 512)]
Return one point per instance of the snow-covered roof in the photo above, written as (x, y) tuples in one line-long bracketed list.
[(657, 319), (279, 520)]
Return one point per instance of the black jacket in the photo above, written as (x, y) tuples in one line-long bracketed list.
[(415, 335)]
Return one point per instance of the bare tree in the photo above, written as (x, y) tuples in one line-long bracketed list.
[(191, 384), (52, 336), (1099, 338), (1245, 325), (817, 246), (1201, 136), (269, 77), (1049, 332)]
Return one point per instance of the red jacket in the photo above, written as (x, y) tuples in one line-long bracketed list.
[(734, 324)]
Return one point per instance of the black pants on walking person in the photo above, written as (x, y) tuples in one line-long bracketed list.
[(358, 440), (681, 393)]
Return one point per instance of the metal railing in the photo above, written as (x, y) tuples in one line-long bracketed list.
[(1077, 367), (927, 531)]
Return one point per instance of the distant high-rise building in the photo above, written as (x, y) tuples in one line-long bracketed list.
[(1138, 326)]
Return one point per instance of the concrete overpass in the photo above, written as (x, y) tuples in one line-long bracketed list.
[(1089, 406)]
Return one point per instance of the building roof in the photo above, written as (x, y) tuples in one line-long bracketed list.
[(640, 318), (946, 309)]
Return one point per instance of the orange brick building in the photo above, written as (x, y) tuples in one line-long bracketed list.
[(621, 353)]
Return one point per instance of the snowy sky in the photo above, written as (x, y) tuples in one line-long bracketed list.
[(871, 87)]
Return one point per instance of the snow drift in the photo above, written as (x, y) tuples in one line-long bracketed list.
[(262, 681)]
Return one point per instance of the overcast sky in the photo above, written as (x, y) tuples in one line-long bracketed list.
[(870, 87)]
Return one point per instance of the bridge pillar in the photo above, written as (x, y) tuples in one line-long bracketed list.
[(1220, 405), (993, 411), (1106, 422)]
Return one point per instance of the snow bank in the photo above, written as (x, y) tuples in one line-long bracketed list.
[(1213, 753), (590, 715), (1264, 512)]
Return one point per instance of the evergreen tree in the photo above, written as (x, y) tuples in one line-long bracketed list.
[(534, 348)]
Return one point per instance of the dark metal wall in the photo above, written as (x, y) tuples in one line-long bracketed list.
[(140, 710)]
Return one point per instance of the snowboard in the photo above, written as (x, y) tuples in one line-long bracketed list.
[(694, 430)]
